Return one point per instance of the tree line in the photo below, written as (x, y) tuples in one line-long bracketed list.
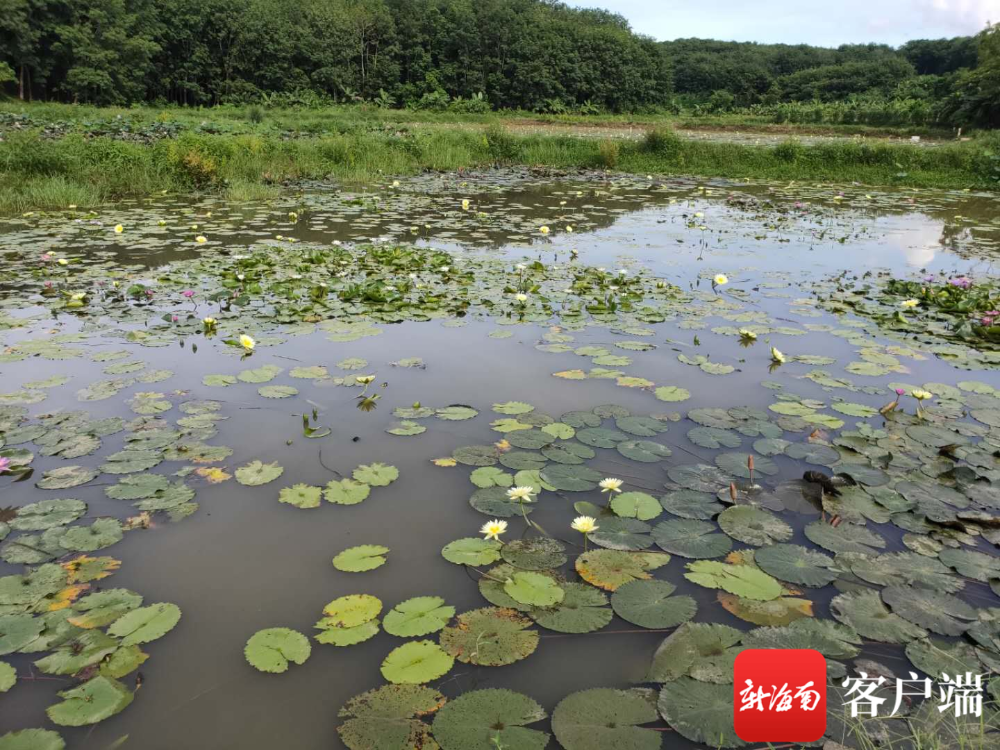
[(469, 55)]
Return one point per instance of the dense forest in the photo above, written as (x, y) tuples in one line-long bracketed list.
[(463, 55)]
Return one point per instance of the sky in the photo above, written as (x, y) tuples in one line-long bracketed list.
[(819, 22)]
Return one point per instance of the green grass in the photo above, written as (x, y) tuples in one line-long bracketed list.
[(90, 161)]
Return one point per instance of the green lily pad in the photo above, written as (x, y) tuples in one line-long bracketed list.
[(606, 718), (534, 589), (865, 612), (346, 491), (66, 477), (361, 558), (32, 739), (637, 505), (488, 719), (95, 700), (796, 564), (257, 473), (700, 712), (643, 451), (608, 569), (571, 478), (472, 551), (736, 464), (844, 538), (416, 662), (300, 495), (535, 553), (271, 649), (755, 526), (692, 504), (490, 476), (937, 657), (582, 610), (418, 616), (47, 514), (491, 637), (102, 533), (376, 474), (691, 538), (939, 613), (626, 534), (351, 610), (649, 604), (146, 623), (742, 580), (703, 650), (389, 718)]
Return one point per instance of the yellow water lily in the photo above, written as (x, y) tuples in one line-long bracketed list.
[(610, 484), (247, 342), (119, 229), (201, 238), (920, 394), (465, 204), (909, 303), (746, 333), (544, 230), (209, 322), (493, 529), (777, 356), (62, 262), (584, 524), (720, 279)]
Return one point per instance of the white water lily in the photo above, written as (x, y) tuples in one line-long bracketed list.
[(720, 279), (777, 356), (610, 484), (247, 342), (921, 395), (200, 238), (465, 204), (544, 230), (521, 297), (521, 494), (493, 529), (746, 333), (584, 524), (909, 303), (119, 229)]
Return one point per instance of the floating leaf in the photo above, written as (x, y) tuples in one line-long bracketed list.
[(606, 718), (416, 662), (780, 611), (418, 616), (933, 611), (351, 610), (704, 650), (636, 505), (65, 477), (535, 553), (271, 649), (102, 533), (571, 478), (491, 637), (582, 610), (376, 474), (649, 604), (146, 623), (608, 569), (672, 393), (742, 580), (257, 473), (700, 712), (472, 551), (32, 739), (865, 612), (346, 491), (361, 558), (692, 504), (844, 538), (796, 564), (389, 718), (755, 526), (691, 538), (643, 451), (488, 719), (93, 701), (626, 534), (533, 589)]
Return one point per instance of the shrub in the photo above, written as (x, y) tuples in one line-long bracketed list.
[(662, 142), (502, 147), (608, 151), (790, 151)]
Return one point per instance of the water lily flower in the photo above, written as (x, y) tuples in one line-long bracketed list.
[(909, 303), (189, 293), (292, 216), (209, 323), (465, 204), (161, 223), (584, 524), (544, 230), (720, 279), (921, 395), (777, 356), (493, 529), (247, 342), (520, 267), (522, 298), (521, 494), (119, 229), (78, 295), (395, 183), (63, 262), (366, 379), (445, 269), (900, 392), (746, 333), (4, 465), (569, 228), (610, 485), (962, 282), (201, 238)]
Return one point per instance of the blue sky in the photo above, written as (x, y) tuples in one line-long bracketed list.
[(822, 22)]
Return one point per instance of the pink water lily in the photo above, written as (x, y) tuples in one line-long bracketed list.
[(4, 465), (963, 282), (189, 293)]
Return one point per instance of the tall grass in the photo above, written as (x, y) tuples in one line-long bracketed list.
[(42, 173)]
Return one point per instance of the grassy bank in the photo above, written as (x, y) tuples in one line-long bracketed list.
[(39, 171)]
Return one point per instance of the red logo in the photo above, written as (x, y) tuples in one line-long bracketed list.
[(779, 695)]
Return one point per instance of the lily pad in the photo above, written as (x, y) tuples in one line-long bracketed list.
[(637, 505), (389, 718), (608, 569), (299, 495), (257, 473), (95, 700), (691, 538), (742, 580), (643, 451), (346, 491), (491, 637), (376, 474), (701, 712), (582, 610), (418, 616), (533, 589), (472, 551), (535, 553), (865, 612), (271, 649), (649, 604), (939, 613), (606, 718), (415, 663), (796, 564), (755, 526), (489, 719), (361, 558), (146, 623)]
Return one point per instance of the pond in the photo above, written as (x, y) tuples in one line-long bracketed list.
[(384, 367)]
